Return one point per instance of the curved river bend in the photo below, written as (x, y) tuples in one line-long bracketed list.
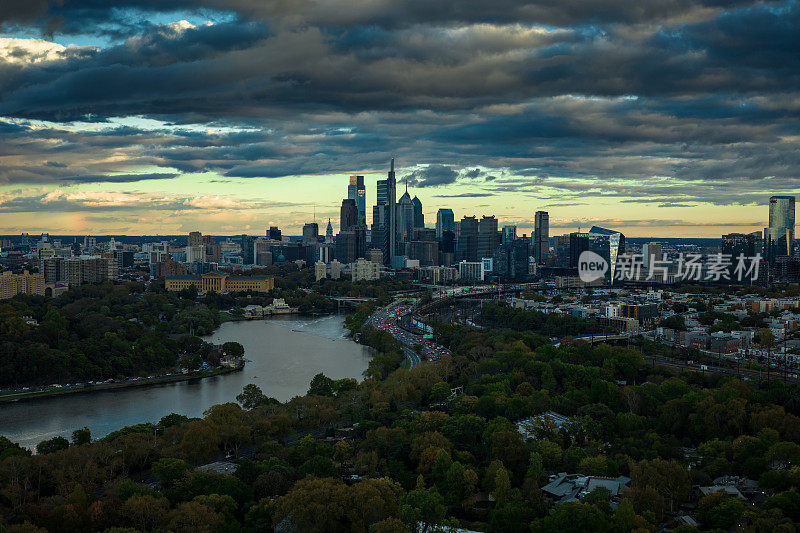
[(283, 355)]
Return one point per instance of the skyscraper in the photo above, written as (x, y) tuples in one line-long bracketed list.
[(311, 232), (736, 244), (487, 236), (779, 236), (419, 218), (405, 219), (358, 193), (578, 243), (651, 250), (248, 250), (467, 244), (509, 234), (274, 233), (391, 187), (195, 238), (541, 235), (329, 232), (445, 221), (384, 216), (348, 214)]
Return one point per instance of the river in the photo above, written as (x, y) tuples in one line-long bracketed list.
[(283, 354)]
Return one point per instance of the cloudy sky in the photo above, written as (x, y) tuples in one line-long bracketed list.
[(655, 117)]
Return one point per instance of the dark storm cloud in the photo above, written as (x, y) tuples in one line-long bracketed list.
[(97, 15), (432, 176), (119, 178), (673, 102), (240, 68)]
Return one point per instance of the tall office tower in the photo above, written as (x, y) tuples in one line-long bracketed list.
[(447, 248), (248, 250), (384, 216), (358, 193), (467, 244), (348, 215), (380, 217), (419, 218), (274, 233), (651, 250), (561, 248), (509, 234), (511, 259), (351, 243), (578, 243), (487, 236), (311, 232), (329, 232), (541, 235), (445, 221), (405, 220), (195, 239), (391, 195), (736, 244), (779, 236)]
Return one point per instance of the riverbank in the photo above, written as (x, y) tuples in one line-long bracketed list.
[(143, 382)]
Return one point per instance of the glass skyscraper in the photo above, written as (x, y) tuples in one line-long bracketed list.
[(445, 221), (779, 236), (358, 193)]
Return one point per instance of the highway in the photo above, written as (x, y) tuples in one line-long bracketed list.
[(388, 319)]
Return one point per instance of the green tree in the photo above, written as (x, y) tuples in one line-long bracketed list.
[(321, 385), (252, 397), (52, 445), (422, 509), (81, 436), (719, 511)]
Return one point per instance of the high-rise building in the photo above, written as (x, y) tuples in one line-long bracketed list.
[(541, 235), (651, 251), (248, 249), (405, 219), (561, 247), (487, 236), (391, 195), (384, 216), (195, 239), (447, 248), (195, 254), (311, 232), (426, 252), (609, 245), (736, 244), (348, 214), (467, 245), (511, 259), (445, 221), (779, 236), (578, 243), (274, 233), (419, 218), (351, 244), (358, 193), (509, 234)]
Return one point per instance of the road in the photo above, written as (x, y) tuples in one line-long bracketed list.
[(388, 319)]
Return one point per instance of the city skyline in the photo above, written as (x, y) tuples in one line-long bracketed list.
[(666, 121)]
